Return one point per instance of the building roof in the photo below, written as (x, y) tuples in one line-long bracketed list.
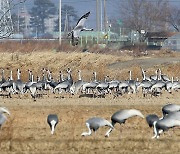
[(159, 34)]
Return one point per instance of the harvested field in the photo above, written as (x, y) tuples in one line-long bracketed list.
[(26, 130)]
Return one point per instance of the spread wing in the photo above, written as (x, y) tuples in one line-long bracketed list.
[(82, 20)]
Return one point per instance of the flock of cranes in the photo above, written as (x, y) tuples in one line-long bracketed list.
[(153, 85), (170, 119)]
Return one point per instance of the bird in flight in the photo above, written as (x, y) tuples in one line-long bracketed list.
[(75, 33)]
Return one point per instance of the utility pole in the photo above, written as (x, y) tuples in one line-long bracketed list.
[(97, 15), (59, 22), (105, 17), (18, 28), (101, 17)]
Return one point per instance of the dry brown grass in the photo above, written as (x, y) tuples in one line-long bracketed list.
[(26, 130), (55, 61), (87, 62)]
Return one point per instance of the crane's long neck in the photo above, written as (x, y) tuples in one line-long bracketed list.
[(143, 74), (155, 130), (95, 79), (18, 74), (29, 73), (130, 75), (11, 78), (53, 123), (89, 131), (79, 75), (2, 74), (160, 78), (61, 76), (110, 130), (32, 78)]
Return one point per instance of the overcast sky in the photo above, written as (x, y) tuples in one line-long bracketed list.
[(83, 6)]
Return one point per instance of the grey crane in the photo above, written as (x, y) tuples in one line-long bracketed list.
[(121, 116), (94, 124), (75, 33), (3, 117), (52, 120), (170, 108), (169, 121)]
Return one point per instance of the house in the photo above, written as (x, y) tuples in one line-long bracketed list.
[(172, 43), (155, 40)]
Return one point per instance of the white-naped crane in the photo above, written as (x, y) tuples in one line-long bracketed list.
[(170, 121), (94, 124), (3, 117), (52, 120), (75, 33), (169, 108), (121, 116)]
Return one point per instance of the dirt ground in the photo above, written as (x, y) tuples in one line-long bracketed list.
[(27, 131)]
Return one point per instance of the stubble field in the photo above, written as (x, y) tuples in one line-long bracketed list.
[(27, 131)]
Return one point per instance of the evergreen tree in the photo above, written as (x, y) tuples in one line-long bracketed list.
[(71, 14), (42, 10)]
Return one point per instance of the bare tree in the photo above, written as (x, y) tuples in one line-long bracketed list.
[(173, 18), (143, 14)]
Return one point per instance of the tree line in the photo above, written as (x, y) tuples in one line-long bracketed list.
[(148, 15), (42, 10)]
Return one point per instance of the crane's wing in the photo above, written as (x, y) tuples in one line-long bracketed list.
[(82, 20)]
